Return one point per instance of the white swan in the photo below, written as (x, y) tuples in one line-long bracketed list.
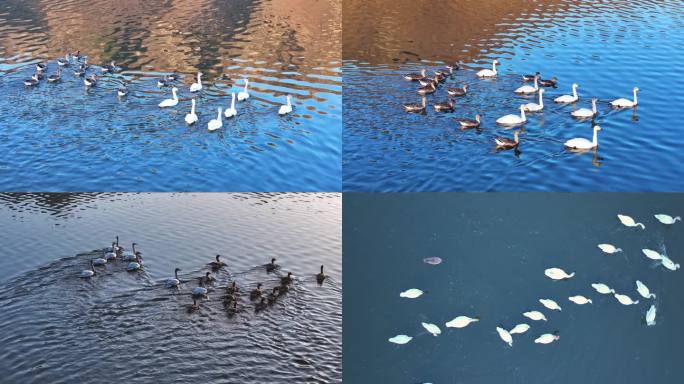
[(582, 143), (173, 282), (609, 248), (488, 72), (667, 219), (584, 113), (651, 315), (400, 339), (579, 299), (231, 111), (130, 255), (244, 95), (216, 123), (200, 291), (505, 336), (568, 98), (533, 107), (669, 264), (285, 109), (629, 222), (135, 265), (535, 315), (546, 338), (624, 103), (602, 288), (644, 291), (100, 260), (513, 119), (196, 87), (519, 329), (527, 89), (433, 329), (625, 300), (110, 253), (461, 322), (651, 254), (550, 304), (170, 102), (191, 118), (411, 293), (557, 274), (88, 272)]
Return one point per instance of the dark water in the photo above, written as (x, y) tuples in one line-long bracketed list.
[(55, 327), (58, 137), (605, 47), (495, 249)]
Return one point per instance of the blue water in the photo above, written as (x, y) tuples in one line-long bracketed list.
[(605, 47)]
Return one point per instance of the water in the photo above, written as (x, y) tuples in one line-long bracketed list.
[(605, 47), (59, 137), (495, 248), (55, 327)]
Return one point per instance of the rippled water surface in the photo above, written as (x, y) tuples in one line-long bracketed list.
[(495, 248), (55, 327), (60, 137), (605, 47)]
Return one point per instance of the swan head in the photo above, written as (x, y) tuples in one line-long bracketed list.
[(597, 128), (177, 270), (495, 62), (636, 89), (522, 108), (574, 85), (541, 91), (174, 89)]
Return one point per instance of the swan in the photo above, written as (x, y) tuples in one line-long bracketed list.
[(602, 288), (461, 322), (625, 300), (56, 76), (457, 92), (426, 90), (527, 89), (285, 109), (433, 329), (111, 254), (64, 62), (218, 264), (244, 95), (122, 91), (651, 315), (447, 106), (488, 72), (470, 123), (651, 254), (533, 107), (644, 291), (256, 293), (90, 81), (416, 76), (505, 336), (33, 81), (415, 107), (557, 274), (568, 98), (546, 338), (273, 296), (196, 87), (669, 264), (579, 299), (535, 315), (609, 248), (170, 102), (411, 293), (42, 66), (231, 111), (582, 143), (110, 68), (200, 291), (550, 304), (624, 103), (88, 272), (272, 266), (80, 71), (506, 143), (400, 339), (629, 222), (513, 119), (191, 118), (519, 329), (216, 123), (163, 82), (429, 81), (667, 219), (100, 260), (584, 113), (130, 256), (135, 265), (174, 281), (320, 277), (287, 279)]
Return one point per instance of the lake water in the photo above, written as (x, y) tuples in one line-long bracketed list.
[(60, 137), (606, 47), (495, 248), (120, 326)]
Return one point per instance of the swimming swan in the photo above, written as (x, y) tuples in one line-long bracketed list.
[(412, 293), (629, 222), (135, 265), (557, 274), (191, 118), (624, 103), (644, 291), (400, 339), (568, 98), (669, 264), (584, 113), (533, 107), (170, 102), (196, 87), (535, 315), (651, 315), (580, 300), (550, 304), (200, 291), (519, 329), (216, 123), (173, 282), (609, 248), (527, 89), (625, 300), (667, 219), (244, 95), (88, 272), (546, 338), (602, 288), (432, 328), (461, 322), (231, 111), (415, 107), (505, 336), (511, 120), (285, 109), (488, 72), (582, 143)]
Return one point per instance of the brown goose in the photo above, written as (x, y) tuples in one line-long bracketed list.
[(454, 92), (415, 76), (506, 143), (470, 123), (415, 107), (447, 106), (428, 80), (428, 89)]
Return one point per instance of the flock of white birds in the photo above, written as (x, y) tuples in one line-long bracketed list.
[(555, 273)]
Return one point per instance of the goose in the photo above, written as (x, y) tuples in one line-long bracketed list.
[(231, 111), (40, 67), (568, 98), (65, 61), (416, 76), (85, 63), (644, 291), (470, 123), (285, 109), (506, 143), (550, 304), (448, 71), (261, 305), (33, 81), (80, 71), (625, 300), (233, 310), (609, 248), (412, 293), (651, 315), (320, 277), (457, 92), (511, 120), (446, 106), (287, 279), (415, 107), (283, 289), (548, 82), (519, 329), (400, 339), (208, 278), (218, 264), (200, 291), (244, 95), (100, 260), (461, 322), (535, 315), (629, 221), (557, 274), (135, 265), (90, 81), (580, 300), (232, 289), (527, 89), (429, 81), (77, 55), (584, 113), (624, 103), (55, 77), (533, 107), (488, 72), (216, 123), (256, 292), (669, 264), (426, 90), (667, 219), (88, 272), (582, 143), (194, 307), (191, 118), (163, 82), (531, 77), (122, 91), (173, 281), (546, 338), (432, 328), (196, 87), (272, 266), (173, 77), (110, 68), (603, 289), (505, 336), (651, 254), (273, 296), (170, 102)]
